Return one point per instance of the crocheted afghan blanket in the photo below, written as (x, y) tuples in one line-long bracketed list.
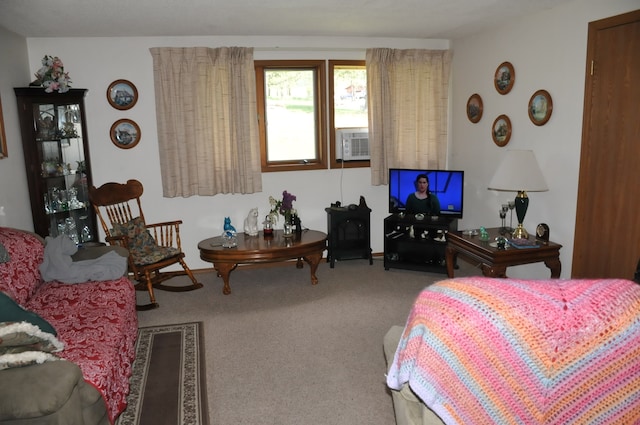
[(481, 350)]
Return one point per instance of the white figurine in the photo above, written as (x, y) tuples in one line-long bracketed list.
[(251, 223)]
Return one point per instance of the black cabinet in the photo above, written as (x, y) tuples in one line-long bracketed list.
[(56, 155), (416, 244), (349, 232)]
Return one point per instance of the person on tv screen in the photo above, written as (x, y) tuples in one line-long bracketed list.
[(423, 201)]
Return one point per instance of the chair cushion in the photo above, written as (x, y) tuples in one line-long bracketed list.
[(137, 232), (150, 255), (142, 246)]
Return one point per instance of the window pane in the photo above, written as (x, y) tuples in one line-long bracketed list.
[(348, 114), (290, 114), (350, 96)]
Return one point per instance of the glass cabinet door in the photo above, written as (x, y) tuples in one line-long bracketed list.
[(54, 140)]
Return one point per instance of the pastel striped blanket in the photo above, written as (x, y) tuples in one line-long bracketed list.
[(480, 351)]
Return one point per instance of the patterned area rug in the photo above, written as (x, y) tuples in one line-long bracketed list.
[(168, 384)]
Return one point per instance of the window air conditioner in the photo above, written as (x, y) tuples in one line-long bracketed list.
[(352, 144)]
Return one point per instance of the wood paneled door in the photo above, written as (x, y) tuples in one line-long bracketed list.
[(607, 238)]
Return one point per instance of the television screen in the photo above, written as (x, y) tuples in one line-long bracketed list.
[(446, 185)]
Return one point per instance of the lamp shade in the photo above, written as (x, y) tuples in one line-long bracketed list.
[(519, 171)]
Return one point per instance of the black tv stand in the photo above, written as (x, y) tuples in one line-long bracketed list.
[(419, 244)]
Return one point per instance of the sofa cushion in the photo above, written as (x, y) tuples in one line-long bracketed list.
[(23, 344), (16, 337), (20, 277), (74, 401), (10, 311)]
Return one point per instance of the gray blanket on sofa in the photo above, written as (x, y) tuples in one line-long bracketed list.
[(58, 264)]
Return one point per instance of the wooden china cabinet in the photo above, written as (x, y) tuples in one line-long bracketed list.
[(56, 155)]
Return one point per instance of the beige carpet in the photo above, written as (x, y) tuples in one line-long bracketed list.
[(280, 351)]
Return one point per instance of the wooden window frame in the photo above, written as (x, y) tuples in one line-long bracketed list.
[(334, 163), (319, 66)]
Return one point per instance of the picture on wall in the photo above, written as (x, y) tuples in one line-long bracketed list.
[(501, 130), (474, 108), (125, 133), (122, 94), (504, 78), (540, 107)]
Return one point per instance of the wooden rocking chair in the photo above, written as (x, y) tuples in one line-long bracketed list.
[(152, 247)]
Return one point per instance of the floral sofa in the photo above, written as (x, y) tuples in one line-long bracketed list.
[(66, 350)]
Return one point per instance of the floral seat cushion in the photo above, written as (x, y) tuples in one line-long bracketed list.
[(142, 246)]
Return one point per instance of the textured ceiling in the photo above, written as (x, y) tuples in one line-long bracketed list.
[(444, 19)]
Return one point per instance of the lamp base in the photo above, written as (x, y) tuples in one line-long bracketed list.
[(520, 232)]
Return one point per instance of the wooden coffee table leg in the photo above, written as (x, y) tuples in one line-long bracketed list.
[(224, 270), (313, 260)]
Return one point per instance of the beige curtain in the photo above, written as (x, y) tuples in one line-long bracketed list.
[(408, 93), (207, 120)]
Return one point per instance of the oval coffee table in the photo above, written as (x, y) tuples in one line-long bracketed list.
[(260, 249)]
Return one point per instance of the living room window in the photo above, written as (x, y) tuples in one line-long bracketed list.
[(291, 118), (348, 114)]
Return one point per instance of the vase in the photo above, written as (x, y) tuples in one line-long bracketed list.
[(288, 226)]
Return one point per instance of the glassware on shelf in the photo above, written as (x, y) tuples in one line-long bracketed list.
[(71, 230), (85, 234), (64, 200), (74, 203)]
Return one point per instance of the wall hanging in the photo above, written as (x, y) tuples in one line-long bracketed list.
[(504, 78), (540, 107), (474, 108), (122, 94), (125, 133), (501, 130)]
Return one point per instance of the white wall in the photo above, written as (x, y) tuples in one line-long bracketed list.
[(93, 63), (14, 192), (548, 51)]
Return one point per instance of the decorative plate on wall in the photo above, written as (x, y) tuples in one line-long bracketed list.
[(540, 107), (504, 78), (474, 108), (501, 130), (122, 94), (125, 133)]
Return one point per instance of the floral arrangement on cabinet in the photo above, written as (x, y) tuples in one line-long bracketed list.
[(52, 76), (283, 207)]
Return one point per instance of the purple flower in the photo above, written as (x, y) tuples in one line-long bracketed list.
[(287, 202)]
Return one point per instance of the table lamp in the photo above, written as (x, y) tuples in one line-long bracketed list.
[(519, 172)]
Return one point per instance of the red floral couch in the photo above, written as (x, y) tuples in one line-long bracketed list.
[(97, 323)]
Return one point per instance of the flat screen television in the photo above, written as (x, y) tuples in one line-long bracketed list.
[(447, 185)]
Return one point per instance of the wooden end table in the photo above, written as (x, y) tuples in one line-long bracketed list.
[(309, 245), (494, 262)]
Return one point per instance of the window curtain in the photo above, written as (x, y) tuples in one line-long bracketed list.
[(207, 120), (408, 93)]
